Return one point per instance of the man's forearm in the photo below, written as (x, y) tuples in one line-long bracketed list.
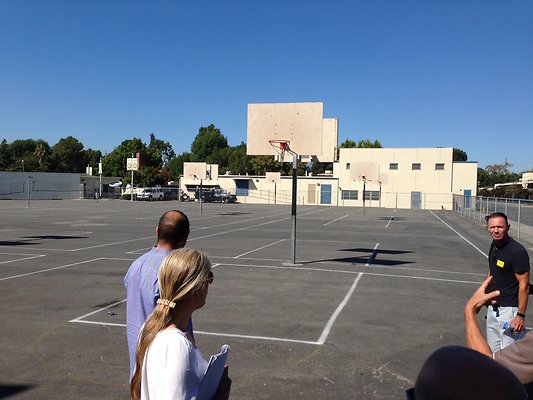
[(474, 338), (523, 297)]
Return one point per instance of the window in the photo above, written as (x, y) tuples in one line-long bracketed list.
[(416, 167), (371, 194), (393, 166), (349, 194), (439, 167), (347, 165)]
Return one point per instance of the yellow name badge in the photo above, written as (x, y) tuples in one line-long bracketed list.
[(500, 263)]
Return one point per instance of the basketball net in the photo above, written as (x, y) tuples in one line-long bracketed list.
[(281, 147)]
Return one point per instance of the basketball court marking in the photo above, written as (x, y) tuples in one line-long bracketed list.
[(49, 269), (260, 248), (31, 256), (328, 326), (335, 220), (461, 236)]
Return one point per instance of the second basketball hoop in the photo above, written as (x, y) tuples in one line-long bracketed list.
[(281, 147)]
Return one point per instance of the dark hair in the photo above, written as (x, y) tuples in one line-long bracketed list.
[(498, 215), (172, 228), (456, 372)]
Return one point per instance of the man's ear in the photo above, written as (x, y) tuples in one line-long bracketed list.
[(157, 231)]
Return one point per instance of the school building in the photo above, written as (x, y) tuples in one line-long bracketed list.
[(416, 178)]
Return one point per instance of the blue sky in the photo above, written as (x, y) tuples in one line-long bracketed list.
[(450, 73)]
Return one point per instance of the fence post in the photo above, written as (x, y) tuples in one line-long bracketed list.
[(519, 206), (505, 208)]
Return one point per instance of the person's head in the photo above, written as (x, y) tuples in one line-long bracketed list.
[(457, 373), (498, 226), (184, 277), (185, 274), (173, 229)]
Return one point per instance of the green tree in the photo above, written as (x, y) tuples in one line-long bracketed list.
[(114, 163), (175, 165), (367, 144), (239, 163), (23, 155), (5, 156), (67, 155), (159, 151), (262, 164), (207, 144), (459, 155), (92, 158), (348, 144)]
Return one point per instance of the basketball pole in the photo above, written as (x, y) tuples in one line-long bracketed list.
[(293, 210)]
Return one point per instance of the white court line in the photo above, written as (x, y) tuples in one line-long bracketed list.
[(21, 259), (260, 248), (48, 269), (79, 319), (216, 226), (111, 244), (349, 272), (461, 236), (390, 220), (327, 328), (333, 318), (335, 220), (252, 226), (372, 256)]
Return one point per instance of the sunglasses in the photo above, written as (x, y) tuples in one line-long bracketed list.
[(210, 278), (494, 253)]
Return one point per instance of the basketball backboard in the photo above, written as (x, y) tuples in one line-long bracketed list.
[(299, 123), (363, 170), (195, 170), (330, 140), (274, 177), (383, 178)]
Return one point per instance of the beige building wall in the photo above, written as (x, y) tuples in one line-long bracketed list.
[(403, 178), (464, 178), (425, 178), (311, 190)]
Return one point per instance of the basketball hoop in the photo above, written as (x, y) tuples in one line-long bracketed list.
[(281, 147)]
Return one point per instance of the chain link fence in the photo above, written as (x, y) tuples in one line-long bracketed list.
[(518, 211)]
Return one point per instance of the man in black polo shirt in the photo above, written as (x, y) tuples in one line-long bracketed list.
[(509, 267)]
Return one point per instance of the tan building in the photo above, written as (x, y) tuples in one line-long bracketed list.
[(425, 178), (404, 178)]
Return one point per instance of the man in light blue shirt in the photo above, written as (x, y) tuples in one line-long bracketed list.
[(141, 279)]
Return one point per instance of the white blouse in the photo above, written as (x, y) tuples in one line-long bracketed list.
[(172, 369)]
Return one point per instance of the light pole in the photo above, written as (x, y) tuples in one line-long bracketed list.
[(22, 161)]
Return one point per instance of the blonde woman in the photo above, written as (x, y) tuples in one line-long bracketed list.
[(168, 363)]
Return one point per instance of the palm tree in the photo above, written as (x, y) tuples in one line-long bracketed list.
[(40, 153)]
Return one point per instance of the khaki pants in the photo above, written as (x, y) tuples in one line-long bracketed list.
[(496, 318)]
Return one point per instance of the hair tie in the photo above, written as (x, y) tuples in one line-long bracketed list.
[(167, 303)]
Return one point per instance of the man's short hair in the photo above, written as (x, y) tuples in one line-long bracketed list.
[(455, 372), (497, 215), (172, 228)]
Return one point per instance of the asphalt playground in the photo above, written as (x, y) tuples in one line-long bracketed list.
[(374, 292)]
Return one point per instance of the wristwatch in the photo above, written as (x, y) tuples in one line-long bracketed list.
[(519, 314)]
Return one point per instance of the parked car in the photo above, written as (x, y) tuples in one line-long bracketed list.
[(224, 197), (150, 194)]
